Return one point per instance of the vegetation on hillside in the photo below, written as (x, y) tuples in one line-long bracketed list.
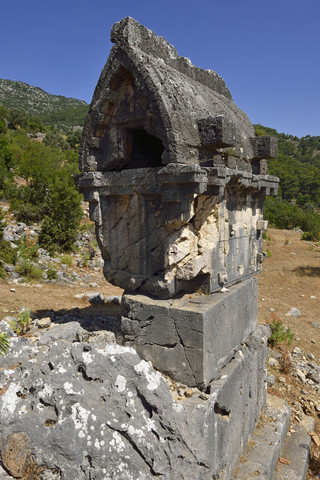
[(38, 156), (36, 177), (8, 254), (54, 110), (297, 204)]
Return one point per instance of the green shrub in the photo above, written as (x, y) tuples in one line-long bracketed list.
[(87, 227), (85, 257), (28, 270), (52, 274), (309, 236), (27, 254), (3, 272), (21, 325), (26, 212), (282, 214), (4, 343), (55, 140), (59, 228), (66, 260), (8, 254), (280, 333)]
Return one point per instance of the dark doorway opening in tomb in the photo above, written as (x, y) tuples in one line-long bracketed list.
[(145, 150)]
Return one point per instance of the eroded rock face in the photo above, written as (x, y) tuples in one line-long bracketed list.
[(173, 171), (80, 410), (15, 454), (177, 228), (152, 107)]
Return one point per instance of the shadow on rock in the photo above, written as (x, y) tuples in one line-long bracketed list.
[(92, 318)]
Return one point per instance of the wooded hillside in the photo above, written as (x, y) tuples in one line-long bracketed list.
[(50, 109), (30, 111), (298, 167)]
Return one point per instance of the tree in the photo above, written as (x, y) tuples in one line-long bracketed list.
[(63, 213), (36, 125), (74, 138), (17, 119), (3, 118), (55, 140)]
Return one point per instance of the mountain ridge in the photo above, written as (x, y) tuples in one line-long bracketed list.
[(51, 109)]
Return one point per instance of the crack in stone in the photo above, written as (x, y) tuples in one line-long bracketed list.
[(135, 447), (168, 346), (183, 345), (222, 411), (121, 218), (180, 439), (143, 238)]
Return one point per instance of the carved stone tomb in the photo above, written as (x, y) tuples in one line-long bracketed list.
[(175, 178)]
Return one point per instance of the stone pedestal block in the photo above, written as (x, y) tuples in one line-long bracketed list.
[(193, 337), (228, 418)]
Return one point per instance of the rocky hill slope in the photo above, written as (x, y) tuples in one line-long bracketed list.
[(51, 109)]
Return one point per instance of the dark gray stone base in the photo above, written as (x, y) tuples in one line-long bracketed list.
[(261, 455), (193, 337), (229, 417), (296, 449)]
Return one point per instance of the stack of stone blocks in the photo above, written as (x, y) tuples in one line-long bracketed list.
[(175, 178)]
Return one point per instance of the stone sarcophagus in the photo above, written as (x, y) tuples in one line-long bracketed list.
[(173, 172), (175, 178)]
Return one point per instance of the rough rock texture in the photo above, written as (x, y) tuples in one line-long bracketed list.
[(261, 455), (96, 410), (179, 227), (189, 111), (15, 454), (173, 171)]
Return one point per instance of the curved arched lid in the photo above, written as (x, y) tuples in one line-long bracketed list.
[(152, 107)]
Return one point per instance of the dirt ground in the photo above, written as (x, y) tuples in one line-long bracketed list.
[(290, 278), (47, 296)]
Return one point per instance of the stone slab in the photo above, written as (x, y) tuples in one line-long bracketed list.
[(296, 449), (193, 337), (264, 446), (230, 415)]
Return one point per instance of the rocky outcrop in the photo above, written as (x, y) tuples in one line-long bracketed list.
[(75, 407)]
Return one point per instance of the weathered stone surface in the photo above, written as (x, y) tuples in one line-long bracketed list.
[(93, 410), (170, 241), (165, 96), (190, 338), (265, 147), (166, 161), (264, 446), (15, 454), (44, 322), (69, 332), (4, 475), (296, 449)]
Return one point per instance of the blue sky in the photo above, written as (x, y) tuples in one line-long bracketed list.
[(268, 52)]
